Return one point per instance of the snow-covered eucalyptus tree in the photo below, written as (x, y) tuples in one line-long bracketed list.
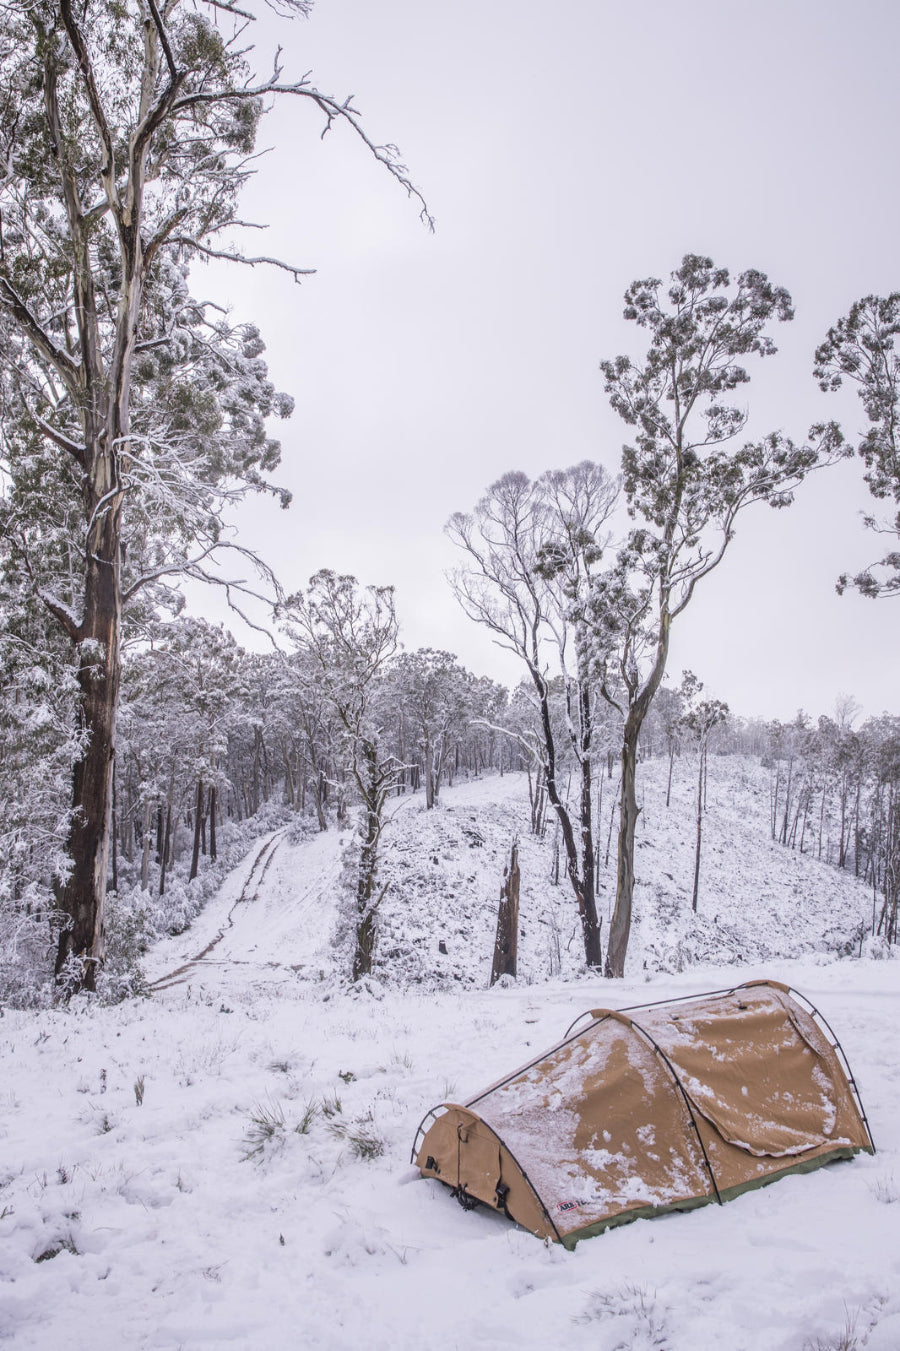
[(434, 697), (131, 413), (348, 636), (533, 551), (685, 485), (861, 348)]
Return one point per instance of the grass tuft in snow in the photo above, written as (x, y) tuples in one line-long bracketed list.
[(331, 1106), (643, 1324), (361, 1135), (267, 1126), (310, 1112), (139, 1090), (64, 1244), (841, 1341), (885, 1189)]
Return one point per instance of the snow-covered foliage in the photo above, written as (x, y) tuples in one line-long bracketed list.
[(39, 742), (861, 348)]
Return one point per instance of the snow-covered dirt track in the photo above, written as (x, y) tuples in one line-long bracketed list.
[(276, 923), (226, 1164)]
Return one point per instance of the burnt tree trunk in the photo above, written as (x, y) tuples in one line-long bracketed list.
[(198, 824), (506, 943), (167, 842), (696, 893), (213, 804), (145, 846)]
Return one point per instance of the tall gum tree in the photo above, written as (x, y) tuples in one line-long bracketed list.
[(350, 636), (685, 483), (861, 348), (127, 129), (533, 549)]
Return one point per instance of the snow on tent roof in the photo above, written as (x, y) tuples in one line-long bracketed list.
[(654, 1108)]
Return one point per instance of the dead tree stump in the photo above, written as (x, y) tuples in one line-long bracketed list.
[(506, 944)]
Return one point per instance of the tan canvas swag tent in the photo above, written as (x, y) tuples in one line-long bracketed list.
[(654, 1108)]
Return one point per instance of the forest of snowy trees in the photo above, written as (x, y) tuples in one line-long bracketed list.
[(217, 744), (135, 415)]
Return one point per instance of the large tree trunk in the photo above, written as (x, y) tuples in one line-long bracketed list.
[(429, 774), (83, 896), (114, 833), (620, 925)]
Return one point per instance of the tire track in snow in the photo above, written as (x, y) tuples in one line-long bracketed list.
[(258, 870), (300, 906)]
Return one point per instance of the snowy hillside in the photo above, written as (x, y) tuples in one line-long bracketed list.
[(226, 1163), (758, 900)]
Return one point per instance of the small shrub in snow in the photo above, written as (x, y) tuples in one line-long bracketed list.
[(27, 949), (879, 949)]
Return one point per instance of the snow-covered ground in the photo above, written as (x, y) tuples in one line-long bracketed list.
[(226, 1163)]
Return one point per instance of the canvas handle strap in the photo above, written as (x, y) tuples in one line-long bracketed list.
[(597, 1014)]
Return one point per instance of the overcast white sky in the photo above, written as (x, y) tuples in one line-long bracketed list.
[(564, 150)]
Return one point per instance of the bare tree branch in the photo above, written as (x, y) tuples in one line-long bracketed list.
[(231, 257)]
